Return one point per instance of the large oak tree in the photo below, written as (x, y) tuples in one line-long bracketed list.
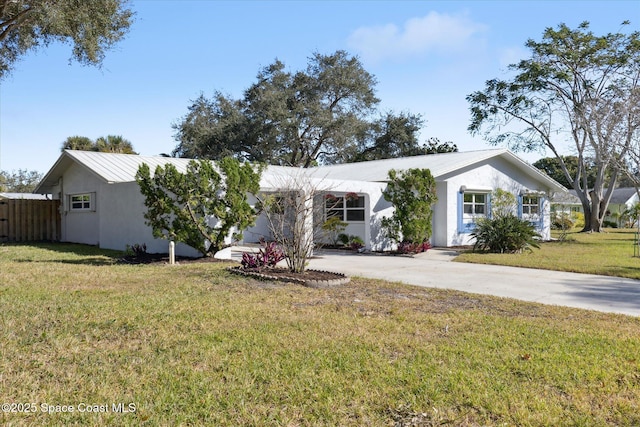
[(325, 114), (91, 26), (284, 118), (576, 89)]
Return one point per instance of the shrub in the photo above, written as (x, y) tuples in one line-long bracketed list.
[(353, 242), (356, 243), (334, 227), (136, 250), (181, 206), (609, 224), (562, 221), (413, 248), (412, 193), (505, 234), (268, 257), (578, 219)]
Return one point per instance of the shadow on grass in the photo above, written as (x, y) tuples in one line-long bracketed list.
[(66, 253)]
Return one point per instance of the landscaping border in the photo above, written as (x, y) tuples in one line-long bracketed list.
[(341, 279)]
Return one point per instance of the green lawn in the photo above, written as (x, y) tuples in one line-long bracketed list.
[(610, 253), (194, 345)]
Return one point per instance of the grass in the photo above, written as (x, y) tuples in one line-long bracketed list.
[(194, 345), (610, 253)]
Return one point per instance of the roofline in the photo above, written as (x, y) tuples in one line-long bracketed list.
[(552, 182)]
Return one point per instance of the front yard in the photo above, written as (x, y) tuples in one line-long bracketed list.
[(193, 345), (610, 253)]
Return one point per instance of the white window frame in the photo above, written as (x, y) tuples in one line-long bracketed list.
[(341, 208), (474, 204), (467, 221), (528, 204), (84, 202)]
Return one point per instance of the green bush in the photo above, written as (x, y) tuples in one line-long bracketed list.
[(333, 228), (504, 234), (412, 193)]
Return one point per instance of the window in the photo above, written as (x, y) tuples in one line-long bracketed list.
[(471, 206), (80, 202), (348, 208), (475, 204), (529, 209), (530, 206)]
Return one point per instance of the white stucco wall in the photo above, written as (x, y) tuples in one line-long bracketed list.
[(79, 226), (497, 173), (122, 221), (439, 226), (118, 219)]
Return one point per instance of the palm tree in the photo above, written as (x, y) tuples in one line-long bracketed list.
[(114, 144), (78, 143)]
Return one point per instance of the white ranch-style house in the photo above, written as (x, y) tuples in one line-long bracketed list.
[(101, 203)]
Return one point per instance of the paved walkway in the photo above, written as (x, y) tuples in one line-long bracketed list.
[(433, 269)]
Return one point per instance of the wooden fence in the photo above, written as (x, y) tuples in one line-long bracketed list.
[(25, 220)]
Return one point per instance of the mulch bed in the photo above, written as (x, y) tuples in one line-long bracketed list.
[(310, 278)]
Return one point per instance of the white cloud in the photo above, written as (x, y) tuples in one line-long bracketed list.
[(433, 32)]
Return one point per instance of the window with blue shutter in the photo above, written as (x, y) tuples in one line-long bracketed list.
[(472, 205)]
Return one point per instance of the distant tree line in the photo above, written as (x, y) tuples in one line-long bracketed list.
[(20, 181)]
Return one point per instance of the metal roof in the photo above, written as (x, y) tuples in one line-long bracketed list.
[(25, 196), (109, 167), (622, 195), (118, 168), (439, 165)]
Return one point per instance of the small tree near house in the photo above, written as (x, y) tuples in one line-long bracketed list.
[(295, 216), (412, 193), (504, 232), (203, 206)]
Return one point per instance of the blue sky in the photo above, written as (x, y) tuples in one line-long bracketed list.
[(426, 56)]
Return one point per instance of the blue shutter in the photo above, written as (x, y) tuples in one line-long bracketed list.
[(460, 211), (520, 202)]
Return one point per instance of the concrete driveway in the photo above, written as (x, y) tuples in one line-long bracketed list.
[(434, 269)]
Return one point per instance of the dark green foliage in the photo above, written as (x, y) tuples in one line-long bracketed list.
[(104, 144), (395, 136), (412, 193), (552, 167), (504, 234), (356, 243), (136, 250), (180, 206), (22, 181), (91, 26), (434, 146), (297, 119)]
